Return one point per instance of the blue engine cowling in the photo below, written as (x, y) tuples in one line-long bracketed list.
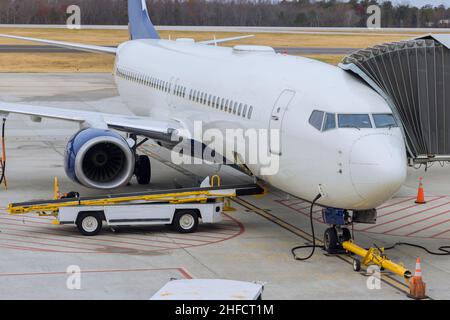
[(98, 158)]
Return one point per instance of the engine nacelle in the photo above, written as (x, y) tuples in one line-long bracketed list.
[(100, 159)]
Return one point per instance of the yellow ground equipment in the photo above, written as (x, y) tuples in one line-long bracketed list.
[(174, 196), (182, 209), (374, 256)]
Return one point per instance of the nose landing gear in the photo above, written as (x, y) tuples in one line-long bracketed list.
[(337, 234), (333, 239)]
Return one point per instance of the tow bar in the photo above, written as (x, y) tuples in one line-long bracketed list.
[(338, 240)]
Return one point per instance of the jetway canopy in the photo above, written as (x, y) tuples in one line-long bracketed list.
[(414, 77)]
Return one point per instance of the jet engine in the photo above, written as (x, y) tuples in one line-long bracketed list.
[(100, 159)]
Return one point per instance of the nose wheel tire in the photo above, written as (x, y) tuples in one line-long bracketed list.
[(346, 235), (89, 224), (143, 170), (185, 221), (330, 240)]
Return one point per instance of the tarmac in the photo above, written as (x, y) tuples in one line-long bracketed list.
[(253, 243)]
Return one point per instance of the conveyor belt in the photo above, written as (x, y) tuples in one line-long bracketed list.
[(241, 190)]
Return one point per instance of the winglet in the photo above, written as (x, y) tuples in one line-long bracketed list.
[(140, 25)]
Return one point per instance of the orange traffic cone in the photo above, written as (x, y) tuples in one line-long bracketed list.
[(417, 287), (420, 193)]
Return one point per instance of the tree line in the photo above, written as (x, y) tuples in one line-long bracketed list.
[(300, 13)]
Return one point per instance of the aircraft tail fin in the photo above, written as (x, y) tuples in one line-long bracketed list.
[(140, 25)]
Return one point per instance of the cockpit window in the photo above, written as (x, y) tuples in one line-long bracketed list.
[(354, 121), (384, 121), (316, 119), (330, 122)]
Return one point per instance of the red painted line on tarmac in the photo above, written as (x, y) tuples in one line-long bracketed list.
[(183, 272), (200, 235), (41, 243), (440, 233), (409, 207), (397, 203), (304, 213), (430, 227), (15, 247), (417, 221), (56, 234), (219, 231), (205, 242), (90, 242), (28, 216), (24, 221), (403, 217), (229, 227), (150, 241), (186, 274)]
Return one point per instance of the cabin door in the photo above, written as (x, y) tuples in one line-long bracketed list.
[(276, 121)]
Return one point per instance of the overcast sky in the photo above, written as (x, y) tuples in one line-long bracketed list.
[(420, 3)]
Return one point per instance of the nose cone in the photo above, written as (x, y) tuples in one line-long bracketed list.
[(378, 167)]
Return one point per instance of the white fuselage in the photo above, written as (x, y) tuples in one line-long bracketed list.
[(354, 168)]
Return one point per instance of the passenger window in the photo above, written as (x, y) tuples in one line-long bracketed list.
[(384, 121), (354, 121), (235, 108), (316, 119), (222, 104), (330, 122), (250, 111), (244, 112), (240, 109)]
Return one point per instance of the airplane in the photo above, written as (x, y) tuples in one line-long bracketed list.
[(338, 137)]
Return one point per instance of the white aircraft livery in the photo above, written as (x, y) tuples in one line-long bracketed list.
[(337, 136)]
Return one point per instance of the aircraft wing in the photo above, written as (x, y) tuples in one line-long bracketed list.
[(148, 127), (69, 45), (101, 49)]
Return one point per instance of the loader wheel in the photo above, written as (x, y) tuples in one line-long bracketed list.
[(143, 170), (185, 221), (356, 265), (330, 240), (89, 224)]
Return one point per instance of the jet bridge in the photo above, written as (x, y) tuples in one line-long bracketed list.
[(414, 78)]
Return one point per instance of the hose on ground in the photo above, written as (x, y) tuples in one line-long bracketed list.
[(313, 245)]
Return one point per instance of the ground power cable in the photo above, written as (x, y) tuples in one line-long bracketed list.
[(442, 251), (313, 245)]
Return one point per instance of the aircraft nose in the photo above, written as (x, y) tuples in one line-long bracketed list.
[(378, 167)]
